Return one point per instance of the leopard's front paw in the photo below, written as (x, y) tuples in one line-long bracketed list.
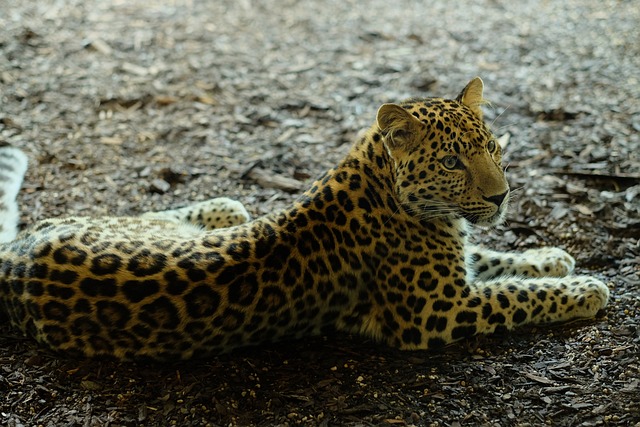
[(573, 297), (593, 295), (549, 262)]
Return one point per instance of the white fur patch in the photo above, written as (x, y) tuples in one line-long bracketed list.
[(13, 165)]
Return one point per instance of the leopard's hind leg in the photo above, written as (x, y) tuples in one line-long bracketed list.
[(215, 213)]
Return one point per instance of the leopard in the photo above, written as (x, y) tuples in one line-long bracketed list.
[(378, 247)]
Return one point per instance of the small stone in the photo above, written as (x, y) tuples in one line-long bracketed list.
[(159, 186)]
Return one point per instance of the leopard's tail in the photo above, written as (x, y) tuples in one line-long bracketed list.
[(13, 165)]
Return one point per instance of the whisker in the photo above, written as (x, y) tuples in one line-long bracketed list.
[(498, 116), (432, 210), (396, 211), (516, 193), (505, 126)]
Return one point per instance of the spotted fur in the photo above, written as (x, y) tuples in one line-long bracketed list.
[(377, 247)]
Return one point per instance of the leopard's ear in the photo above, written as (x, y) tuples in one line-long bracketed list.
[(398, 127), (471, 96)]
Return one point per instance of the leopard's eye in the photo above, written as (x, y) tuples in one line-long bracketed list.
[(491, 145), (451, 162)]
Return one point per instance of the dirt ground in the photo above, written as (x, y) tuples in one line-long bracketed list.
[(128, 106)]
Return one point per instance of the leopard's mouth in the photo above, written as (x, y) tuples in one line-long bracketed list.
[(482, 221)]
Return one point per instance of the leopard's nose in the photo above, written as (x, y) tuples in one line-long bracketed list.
[(498, 199)]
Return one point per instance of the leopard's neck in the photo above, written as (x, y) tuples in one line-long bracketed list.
[(358, 195)]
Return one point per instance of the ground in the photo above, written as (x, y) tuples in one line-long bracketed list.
[(129, 106)]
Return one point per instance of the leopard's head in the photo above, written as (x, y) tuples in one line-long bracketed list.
[(447, 162)]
